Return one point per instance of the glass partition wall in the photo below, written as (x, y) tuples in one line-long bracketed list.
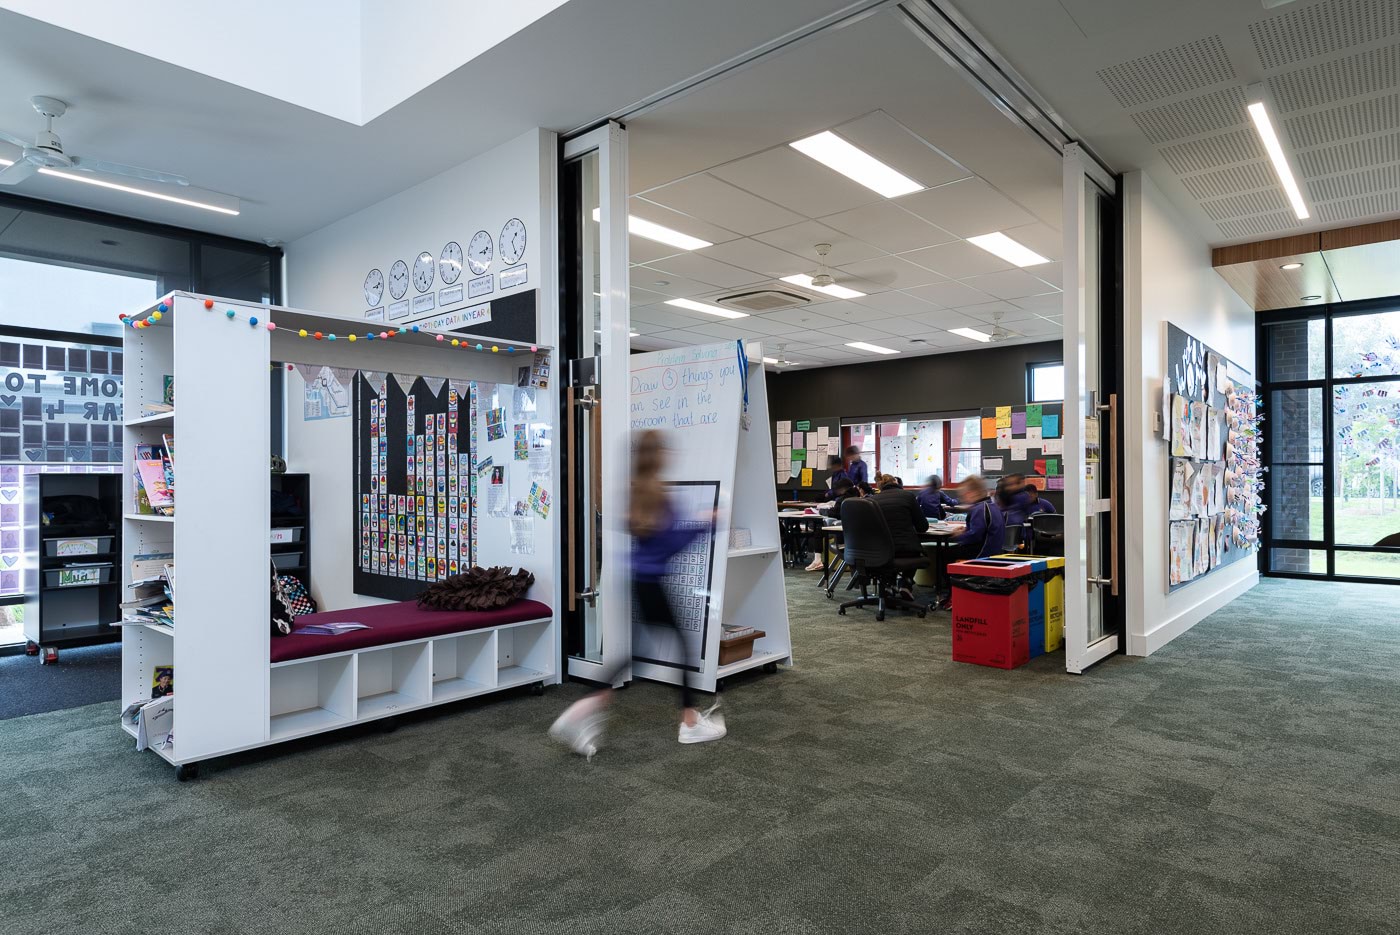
[(1332, 441)]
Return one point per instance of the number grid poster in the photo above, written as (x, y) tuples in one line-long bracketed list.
[(412, 496)]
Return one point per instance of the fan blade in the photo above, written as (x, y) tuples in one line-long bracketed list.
[(14, 140), (17, 173), (116, 168)]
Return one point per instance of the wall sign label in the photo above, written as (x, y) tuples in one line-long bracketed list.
[(451, 296), (423, 303), (515, 276), (481, 285), (398, 310), (476, 315), (375, 314)]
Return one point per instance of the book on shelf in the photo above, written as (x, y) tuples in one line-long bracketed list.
[(152, 595), (331, 629), (149, 566), (154, 478), (156, 409)]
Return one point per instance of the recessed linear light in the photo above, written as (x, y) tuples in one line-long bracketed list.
[(872, 348), (839, 292), (1265, 127), (856, 164), (1291, 266), (1009, 250), (972, 333), (774, 361), (661, 234), (102, 183), (715, 310)]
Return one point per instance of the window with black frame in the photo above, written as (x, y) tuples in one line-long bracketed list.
[(1332, 390)]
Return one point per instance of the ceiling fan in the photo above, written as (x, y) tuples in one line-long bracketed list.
[(781, 360), (823, 278), (998, 332), (46, 152)]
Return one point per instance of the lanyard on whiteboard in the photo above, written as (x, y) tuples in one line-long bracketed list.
[(743, 382)]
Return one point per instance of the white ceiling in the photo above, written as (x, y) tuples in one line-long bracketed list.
[(1161, 86), (298, 170), (716, 165)]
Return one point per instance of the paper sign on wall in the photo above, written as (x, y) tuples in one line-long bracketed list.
[(806, 477), (1003, 417), (1004, 438), (989, 428)]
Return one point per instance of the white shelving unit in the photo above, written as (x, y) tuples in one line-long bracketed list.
[(229, 696), (746, 583)]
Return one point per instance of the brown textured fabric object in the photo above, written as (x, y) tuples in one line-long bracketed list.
[(477, 589)]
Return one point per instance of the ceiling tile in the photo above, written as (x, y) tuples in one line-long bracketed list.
[(726, 329), (638, 297), (679, 338), (967, 208), (1052, 303), (943, 319), (665, 316), (852, 333), (1011, 284), (677, 221), (761, 325), (711, 199), (853, 312), (896, 145), (891, 272), (893, 303), (785, 176), (958, 259), (800, 239), (1038, 327), (703, 269), (757, 256), (640, 250), (805, 317), (886, 225), (988, 310), (1042, 238), (896, 327), (670, 284), (951, 294), (1050, 272)]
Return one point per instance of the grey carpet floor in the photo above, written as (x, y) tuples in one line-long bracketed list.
[(1246, 779), (81, 676)]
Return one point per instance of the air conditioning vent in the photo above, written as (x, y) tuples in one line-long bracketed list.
[(763, 300)]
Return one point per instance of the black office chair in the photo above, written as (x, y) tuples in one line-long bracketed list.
[(1048, 534), (870, 552)]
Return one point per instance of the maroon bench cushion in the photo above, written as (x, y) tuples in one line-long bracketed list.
[(394, 623)]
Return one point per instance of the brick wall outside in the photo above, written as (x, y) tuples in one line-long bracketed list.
[(1292, 427)]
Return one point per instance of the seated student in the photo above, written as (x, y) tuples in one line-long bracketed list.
[(837, 467), (842, 490), (985, 524), (906, 522), (932, 499), (1019, 501), (1035, 504), (857, 469)]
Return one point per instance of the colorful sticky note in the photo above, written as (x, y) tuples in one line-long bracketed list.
[(1004, 438), (989, 428), (799, 454), (1033, 414), (1018, 423), (803, 426), (1052, 467), (1050, 426), (1003, 417), (1040, 465), (806, 477), (1054, 483)]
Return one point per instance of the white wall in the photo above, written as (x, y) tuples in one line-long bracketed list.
[(1167, 277), (325, 272)]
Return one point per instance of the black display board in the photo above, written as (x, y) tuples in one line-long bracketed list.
[(512, 318), (998, 461), (817, 462), (412, 503)]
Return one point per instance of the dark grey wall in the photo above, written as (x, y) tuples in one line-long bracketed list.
[(967, 380)]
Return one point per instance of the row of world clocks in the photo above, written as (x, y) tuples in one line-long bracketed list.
[(448, 266)]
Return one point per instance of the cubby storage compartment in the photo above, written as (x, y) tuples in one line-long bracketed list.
[(523, 654), (464, 665), (392, 680), (310, 696)]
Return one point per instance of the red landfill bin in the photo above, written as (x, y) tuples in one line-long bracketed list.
[(991, 625)]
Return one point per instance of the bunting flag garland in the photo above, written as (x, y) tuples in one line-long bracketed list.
[(166, 306)]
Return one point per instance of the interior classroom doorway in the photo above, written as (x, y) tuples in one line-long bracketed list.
[(713, 216)]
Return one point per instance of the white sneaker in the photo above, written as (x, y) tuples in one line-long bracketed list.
[(580, 727), (708, 726)]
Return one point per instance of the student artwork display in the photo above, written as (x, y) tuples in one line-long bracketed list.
[(413, 482), (1211, 423), (1024, 440), (801, 448)]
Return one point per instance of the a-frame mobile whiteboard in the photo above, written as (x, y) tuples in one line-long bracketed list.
[(718, 461)]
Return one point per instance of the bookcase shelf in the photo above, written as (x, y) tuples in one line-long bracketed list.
[(148, 518), (160, 418)]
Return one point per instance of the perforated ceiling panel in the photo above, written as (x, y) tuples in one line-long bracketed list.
[(1332, 68), (1312, 31), (1169, 72)]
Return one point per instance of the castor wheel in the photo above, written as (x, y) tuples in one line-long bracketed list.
[(187, 771), (388, 725), (770, 667), (923, 614), (719, 686), (31, 648), (537, 688)]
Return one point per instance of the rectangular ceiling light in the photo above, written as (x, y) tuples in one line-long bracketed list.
[(774, 361), (1265, 127), (972, 333), (659, 233), (715, 310), (839, 292), (856, 164), (872, 348), (1009, 250), (230, 204)]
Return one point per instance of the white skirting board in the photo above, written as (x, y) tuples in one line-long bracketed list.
[(1145, 644)]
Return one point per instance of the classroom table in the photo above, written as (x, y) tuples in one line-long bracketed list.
[(788, 521)]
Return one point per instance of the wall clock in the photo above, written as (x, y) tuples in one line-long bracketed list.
[(374, 288), (513, 241), (479, 252), (450, 263), (398, 279), (423, 272)]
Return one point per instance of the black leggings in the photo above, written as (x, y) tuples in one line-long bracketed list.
[(654, 607)]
